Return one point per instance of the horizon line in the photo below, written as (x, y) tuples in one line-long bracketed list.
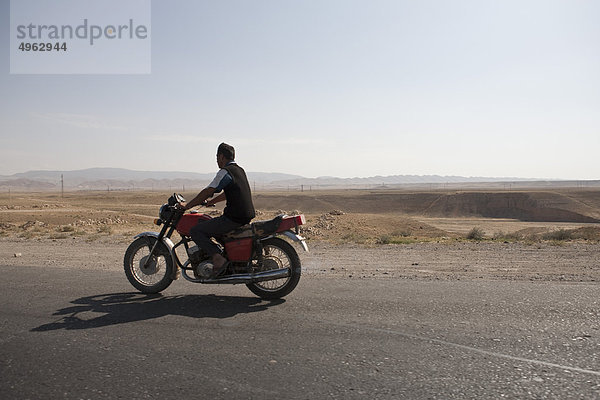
[(297, 176)]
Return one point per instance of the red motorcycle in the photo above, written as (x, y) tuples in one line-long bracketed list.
[(256, 253)]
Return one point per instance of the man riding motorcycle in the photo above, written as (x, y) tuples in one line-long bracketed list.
[(239, 209)]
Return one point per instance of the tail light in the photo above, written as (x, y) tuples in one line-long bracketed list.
[(300, 219), (293, 222)]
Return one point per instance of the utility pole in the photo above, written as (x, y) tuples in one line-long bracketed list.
[(62, 186)]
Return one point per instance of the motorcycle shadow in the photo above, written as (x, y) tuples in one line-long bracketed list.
[(123, 308)]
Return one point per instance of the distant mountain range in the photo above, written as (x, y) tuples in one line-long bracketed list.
[(125, 179), (125, 175)]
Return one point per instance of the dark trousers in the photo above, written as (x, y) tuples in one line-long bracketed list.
[(204, 230)]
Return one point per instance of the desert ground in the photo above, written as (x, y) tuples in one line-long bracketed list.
[(445, 234), (404, 294)]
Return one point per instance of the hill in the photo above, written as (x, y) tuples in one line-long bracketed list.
[(581, 206), (125, 179), (118, 178)]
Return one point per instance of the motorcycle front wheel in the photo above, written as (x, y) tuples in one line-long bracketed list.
[(277, 254), (148, 274)]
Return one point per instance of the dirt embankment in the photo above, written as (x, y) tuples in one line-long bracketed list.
[(355, 216), (537, 207), (524, 206)]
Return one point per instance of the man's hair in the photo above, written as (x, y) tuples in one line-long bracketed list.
[(227, 150)]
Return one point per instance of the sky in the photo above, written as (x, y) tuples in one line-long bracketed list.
[(346, 88)]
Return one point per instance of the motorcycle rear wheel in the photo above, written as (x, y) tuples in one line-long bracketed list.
[(153, 276), (277, 254)]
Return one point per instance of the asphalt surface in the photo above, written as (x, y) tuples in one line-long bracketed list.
[(69, 333)]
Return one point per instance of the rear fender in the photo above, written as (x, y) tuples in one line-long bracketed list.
[(167, 242), (294, 237)]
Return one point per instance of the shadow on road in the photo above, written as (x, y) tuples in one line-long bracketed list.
[(122, 308)]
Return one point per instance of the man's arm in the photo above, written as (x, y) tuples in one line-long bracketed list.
[(199, 199), (217, 199), (221, 180)]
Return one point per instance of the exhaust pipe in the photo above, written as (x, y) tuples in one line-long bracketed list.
[(251, 278), (242, 278)]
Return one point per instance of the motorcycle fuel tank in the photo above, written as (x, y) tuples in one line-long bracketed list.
[(187, 221)]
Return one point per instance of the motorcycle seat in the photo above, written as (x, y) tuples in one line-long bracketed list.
[(259, 228)]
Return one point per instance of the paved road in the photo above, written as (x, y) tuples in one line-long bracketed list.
[(68, 333)]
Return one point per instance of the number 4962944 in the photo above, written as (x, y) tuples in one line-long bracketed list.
[(43, 46)]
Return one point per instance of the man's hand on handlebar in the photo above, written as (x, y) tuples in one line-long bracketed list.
[(182, 206)]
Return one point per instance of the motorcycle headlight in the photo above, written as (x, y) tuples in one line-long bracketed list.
[(165, 212)]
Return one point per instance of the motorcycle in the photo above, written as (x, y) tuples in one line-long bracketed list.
[(257, 254)]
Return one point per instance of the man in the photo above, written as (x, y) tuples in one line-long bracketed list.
[(239, 210)]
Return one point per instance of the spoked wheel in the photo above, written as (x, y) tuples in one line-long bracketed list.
[(277, 254), (148, 274)]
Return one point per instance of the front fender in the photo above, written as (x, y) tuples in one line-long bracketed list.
[(168, 242)]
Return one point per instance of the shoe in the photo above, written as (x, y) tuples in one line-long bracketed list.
[(220, 264), (219, 271)]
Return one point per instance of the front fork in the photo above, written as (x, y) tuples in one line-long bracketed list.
[(163, 236), (158, 240)]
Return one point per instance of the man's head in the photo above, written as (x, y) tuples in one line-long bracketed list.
[(225, 153)]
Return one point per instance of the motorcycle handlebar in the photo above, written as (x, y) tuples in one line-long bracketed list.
[(177, 207)]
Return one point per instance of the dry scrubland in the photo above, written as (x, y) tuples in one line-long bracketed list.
[(539, 235), (362, 217)]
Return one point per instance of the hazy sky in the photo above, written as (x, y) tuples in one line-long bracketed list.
[(322, 87)]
